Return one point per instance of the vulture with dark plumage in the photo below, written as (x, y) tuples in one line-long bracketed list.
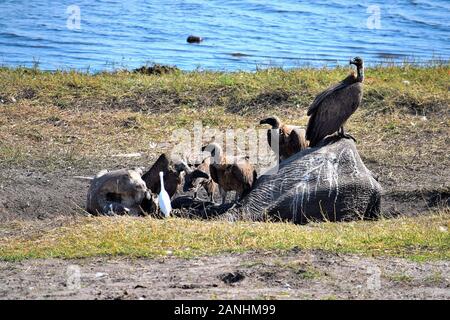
[(291, 139), (332, 108)]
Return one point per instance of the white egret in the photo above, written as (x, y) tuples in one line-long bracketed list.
[(163, 198)]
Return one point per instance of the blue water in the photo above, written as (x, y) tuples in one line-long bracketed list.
[(288, 33)]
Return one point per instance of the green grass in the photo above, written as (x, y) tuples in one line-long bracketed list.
[(418, 238), (419, 89), (62, 119), (400, 277)]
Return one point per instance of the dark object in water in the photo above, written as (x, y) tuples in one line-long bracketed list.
[(194, 39), (156, 69), (238, 54)]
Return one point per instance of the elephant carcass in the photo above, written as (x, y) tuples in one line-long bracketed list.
[(117, 192), (327, 182)]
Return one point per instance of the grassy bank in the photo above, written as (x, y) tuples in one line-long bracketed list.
[(68, 118), (420, 238)]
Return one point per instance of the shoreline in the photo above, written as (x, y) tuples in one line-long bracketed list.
[(383, 63)]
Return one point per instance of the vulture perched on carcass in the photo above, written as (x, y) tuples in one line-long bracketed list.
[(332, 108)]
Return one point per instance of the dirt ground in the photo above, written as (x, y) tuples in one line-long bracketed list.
[(254, 275)]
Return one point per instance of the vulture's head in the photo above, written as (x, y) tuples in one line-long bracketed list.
[(273, 121), (192, 180), (357, 61)]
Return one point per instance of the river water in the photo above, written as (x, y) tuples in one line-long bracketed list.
[(100, 35)]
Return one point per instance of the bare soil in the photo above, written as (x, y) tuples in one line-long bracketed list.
[(253, 275)]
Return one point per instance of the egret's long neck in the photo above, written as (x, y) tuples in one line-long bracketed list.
[(161, 178), (360, 75)]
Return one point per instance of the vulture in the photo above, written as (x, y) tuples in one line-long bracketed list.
[(200, 178), (230, 173), (291, 139), (331, 108)]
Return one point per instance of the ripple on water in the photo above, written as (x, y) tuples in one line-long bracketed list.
[(239, 34)]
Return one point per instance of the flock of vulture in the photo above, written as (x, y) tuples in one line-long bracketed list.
[(328, 113)]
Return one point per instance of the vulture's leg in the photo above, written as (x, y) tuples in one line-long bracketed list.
[(195, 195), (209, 192), (223, 193), (342, 134)]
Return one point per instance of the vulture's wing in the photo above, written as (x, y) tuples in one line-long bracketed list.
[(335, 109), (321, 96), (213, 173), (243, 172)]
